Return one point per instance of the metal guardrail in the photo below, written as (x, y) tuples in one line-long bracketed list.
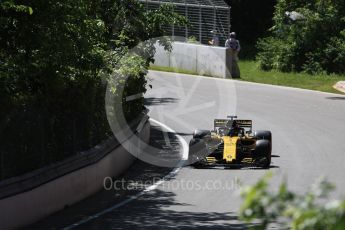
[(204, 16), (188, 3), (28, 181)]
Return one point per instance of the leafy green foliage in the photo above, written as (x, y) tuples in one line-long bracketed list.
[(290, 210), (192, 39), (9, 5), (312, 42), (55, 59), (134, 42)]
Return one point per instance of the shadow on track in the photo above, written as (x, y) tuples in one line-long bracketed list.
[(233, 168), (155, 211), (336, 98), (140, 173), (150, 101)]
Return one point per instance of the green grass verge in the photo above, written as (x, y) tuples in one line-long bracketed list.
[(173, 70), (250, 72)]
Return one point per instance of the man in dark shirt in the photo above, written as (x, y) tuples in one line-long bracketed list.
[(233, 45)]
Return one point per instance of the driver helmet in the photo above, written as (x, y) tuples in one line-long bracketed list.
[(234, 125)]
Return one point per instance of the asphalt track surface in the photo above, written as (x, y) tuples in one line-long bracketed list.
[(308, 142)]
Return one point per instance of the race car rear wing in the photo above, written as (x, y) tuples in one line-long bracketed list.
[(220, 123)]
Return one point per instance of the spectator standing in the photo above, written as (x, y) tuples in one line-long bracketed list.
[(215, 38), (233, 45)]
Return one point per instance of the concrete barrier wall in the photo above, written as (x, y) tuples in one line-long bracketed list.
[(28, 207), (202, 59)]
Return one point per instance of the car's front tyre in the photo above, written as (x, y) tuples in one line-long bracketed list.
[(262, 153)]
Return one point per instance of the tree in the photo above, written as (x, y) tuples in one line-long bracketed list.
[(55, 59), (313, 42)]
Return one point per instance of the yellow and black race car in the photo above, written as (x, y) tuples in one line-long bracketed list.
[(232, 143)]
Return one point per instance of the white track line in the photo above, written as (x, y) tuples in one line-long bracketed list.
[(148, 189)]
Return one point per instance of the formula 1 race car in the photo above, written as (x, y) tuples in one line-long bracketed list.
[(232, 143)]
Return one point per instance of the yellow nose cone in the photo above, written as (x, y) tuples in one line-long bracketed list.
[(229, 153)]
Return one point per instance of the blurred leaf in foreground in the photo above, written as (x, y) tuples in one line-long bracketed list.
[(290, 210)]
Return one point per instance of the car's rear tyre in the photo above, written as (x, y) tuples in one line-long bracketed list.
[(263, 135), (262, 153)]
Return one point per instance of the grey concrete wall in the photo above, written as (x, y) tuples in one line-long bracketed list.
[(202, 59), (28, 207)]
